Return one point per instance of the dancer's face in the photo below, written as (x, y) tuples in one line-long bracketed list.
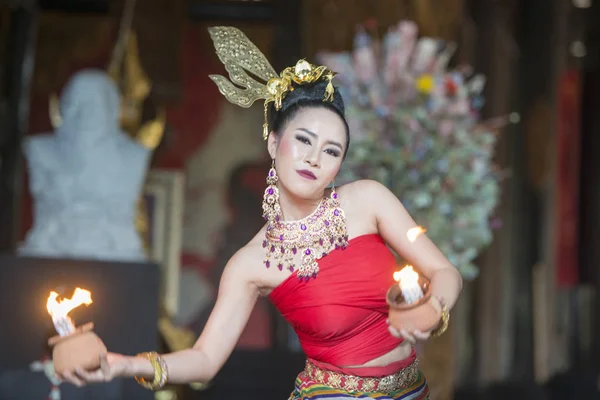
[(309, 151)]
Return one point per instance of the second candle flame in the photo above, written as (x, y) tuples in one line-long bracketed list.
[(413, 233)]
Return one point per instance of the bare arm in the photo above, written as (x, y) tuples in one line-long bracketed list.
[(235, 301), (393, 222)]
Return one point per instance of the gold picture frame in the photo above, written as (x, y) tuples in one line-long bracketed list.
[(163, 197)]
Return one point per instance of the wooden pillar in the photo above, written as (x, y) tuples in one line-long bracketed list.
[(551, 312), (590, 177), (498, 289), (15, 89)]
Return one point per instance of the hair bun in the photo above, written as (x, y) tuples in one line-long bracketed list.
[(313, 92)]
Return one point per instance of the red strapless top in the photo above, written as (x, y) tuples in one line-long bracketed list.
[(340, 316)]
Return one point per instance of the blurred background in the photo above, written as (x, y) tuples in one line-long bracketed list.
[(479, 114)]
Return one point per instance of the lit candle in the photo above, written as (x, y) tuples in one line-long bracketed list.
[(408, 280), (59, 311)]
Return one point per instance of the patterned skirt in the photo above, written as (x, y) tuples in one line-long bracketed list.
[(315, 383)]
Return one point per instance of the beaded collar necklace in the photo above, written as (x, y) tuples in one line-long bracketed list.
[(313, 237)]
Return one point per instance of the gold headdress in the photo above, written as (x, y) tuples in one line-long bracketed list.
[(240, 56)]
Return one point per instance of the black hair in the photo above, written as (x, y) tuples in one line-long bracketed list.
[(303, 97)]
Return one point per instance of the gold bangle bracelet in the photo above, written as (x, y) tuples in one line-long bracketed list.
[(160, 372), (443, 325)]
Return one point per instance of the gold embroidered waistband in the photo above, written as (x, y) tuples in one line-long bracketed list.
[(404, 378)]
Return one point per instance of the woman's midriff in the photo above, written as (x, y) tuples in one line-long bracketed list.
[(385, 365), (402, 352)]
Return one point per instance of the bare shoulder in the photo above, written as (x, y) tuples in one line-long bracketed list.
[(362, 185), (362, 194), (359, 201), (243, 264), (378, 202)]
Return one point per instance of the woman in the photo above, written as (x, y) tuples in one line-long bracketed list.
[(333, 240)]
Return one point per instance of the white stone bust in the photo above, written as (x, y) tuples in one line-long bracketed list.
[(86, 178)]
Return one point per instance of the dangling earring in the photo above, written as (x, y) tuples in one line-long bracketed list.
[(270, 205), (333, 194)]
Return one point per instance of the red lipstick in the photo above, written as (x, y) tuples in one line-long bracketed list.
[(306, 174)]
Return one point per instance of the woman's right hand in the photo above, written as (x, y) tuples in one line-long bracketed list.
[(112, 365)]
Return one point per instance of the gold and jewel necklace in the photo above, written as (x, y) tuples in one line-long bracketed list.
[(313, 237)]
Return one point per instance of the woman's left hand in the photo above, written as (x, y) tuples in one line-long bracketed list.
[(412, 337)]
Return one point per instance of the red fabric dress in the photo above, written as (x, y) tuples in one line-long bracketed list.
[(340, 317)]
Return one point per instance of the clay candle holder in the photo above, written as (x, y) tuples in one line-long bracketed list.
[(80, 349), (73, 347), (422, 315)]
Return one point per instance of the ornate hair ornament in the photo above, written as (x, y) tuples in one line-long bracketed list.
[(240, 57)]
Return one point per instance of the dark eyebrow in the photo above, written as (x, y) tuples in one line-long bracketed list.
[(314, 135)]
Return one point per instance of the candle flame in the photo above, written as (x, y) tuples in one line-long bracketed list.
[(414, 233), (60, 309), (408, 280), (407, 277)]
